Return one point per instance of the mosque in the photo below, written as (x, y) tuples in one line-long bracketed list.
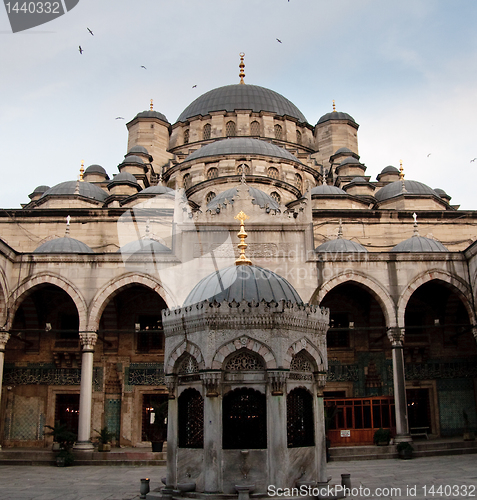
[(119, 290)]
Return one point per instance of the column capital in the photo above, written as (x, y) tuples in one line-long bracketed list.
[(320, 379), (396, 335), (277, 379), (4, 337), (211, 381), (170, 382), (474, 332), (88, 340)]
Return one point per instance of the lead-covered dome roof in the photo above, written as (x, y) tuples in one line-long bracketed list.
[(235, 97), (418, 243), (340, 245), (86, 189), (259, 198), (143, 246), (64, 245), (411, 187), (157, 190), (242, 146), (152, 114), (327, 190), (243, 283), (336, 115)]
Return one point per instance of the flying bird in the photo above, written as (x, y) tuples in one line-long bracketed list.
[(429, 155), (279, 41), (473, 160), (119, 118), (80, 49), (143, 67), (194, 86), (90, 31)]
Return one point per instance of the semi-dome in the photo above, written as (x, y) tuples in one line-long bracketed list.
[(259, 198), (418, 243), (243, 283), (145, 245), (152, 114), (410, 187), (156, 190), (336, 115), (124, 178), (340, 245), (326, 190), (242, 146), (236, 97), (440, 192), (41, 189), (69, 188), (63, 245)]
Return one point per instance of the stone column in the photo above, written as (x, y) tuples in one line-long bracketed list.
[(277, 428), (320, 431), (172, 432), (4, 336), (88, 341), (396, 336), (212, 432)]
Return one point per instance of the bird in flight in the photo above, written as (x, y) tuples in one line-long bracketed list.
[(473, 160), (279, 41), (119, 118), (143, 67), (194, 86), (90, 31), (429, 155), (80, 49)]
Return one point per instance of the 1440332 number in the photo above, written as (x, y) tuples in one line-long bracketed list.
[(33, 7), (448, 490)]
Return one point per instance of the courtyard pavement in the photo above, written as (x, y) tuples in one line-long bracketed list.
[(370, 479)]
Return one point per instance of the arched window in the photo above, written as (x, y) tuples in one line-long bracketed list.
[(273, 172), (187, 181), (230, 129), (186, 136), (244, 420), (243, 168), (278, 132), (298, 137), (206, 132), (298, 181), (188, 365), (300, 425), (212, 173), (275, 196), (210, 196), (191, 419), (244, 360), (255, 128)]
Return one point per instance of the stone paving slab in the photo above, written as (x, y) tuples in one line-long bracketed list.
[(122, 483)]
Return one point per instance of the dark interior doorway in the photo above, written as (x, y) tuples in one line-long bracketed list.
[(418, 408), (67, 411)]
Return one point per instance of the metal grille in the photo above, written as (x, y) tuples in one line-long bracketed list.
[(300, 363), (298, 181), (244, 420), (191, 419), (206, 133), (230, 129), (212, 173), (187, 181), (275, 196), (243, 168), (244, 361), (186, 137), (298, 137), (273, 173), (278, 132), (255, 128), (210, 196), (300, 428), (188, 365)]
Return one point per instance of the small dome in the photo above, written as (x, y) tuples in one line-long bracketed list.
[(242, 146), (63, 245), (132, 159), (259, 198), (389, 170), (155, 190), (419, 244), (234, 97), (336, 115), (343, 150), (440, 192), (68, 188), (124, 178), (326, 190), (138, 149), (41, 189), (96, 169), (359, 180), (243, 283), (152, 114), (145, 245), (340, 245), (348, 161), (396, 189)]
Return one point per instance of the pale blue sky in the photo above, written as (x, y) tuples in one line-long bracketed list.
[(406, 71)]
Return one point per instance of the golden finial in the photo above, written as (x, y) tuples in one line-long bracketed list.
[(334, 106), (81, 171), (151, 106), (401, 171), (242, 66), (242, 260)]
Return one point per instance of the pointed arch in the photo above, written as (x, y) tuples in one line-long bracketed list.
[(379, 293), (185, 347), (243, 342), (304, 344)]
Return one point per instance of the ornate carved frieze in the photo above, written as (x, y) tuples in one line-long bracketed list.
[(211, 381), (277, 380)]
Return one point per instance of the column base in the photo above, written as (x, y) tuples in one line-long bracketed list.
[(83, 446), (402, 438)]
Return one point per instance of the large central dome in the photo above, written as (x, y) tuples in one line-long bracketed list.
[(233, 97)]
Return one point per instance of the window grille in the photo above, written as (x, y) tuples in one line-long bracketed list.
[(300, 425), (186, 136), (273, 172), (212, 173), (191, 419), (244, 420), (206, 132), (300, 363), (298, 137), (275, 196), (244, 361), (230, 129), (210, 196), (298, 181), (278, 132), (188, 365), (187, 181), (241, 168), (255, 128)]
